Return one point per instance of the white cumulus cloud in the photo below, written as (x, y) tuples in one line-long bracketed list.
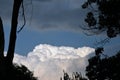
[(48, 61)]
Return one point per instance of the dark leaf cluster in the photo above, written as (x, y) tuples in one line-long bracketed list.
[(15, 72), (107, 68), (108, 16), (75, 76)]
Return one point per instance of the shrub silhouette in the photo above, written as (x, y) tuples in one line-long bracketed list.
[(107, 68), (15, 72), (75, 76)]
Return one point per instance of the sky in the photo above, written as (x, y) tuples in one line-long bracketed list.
[(53, 37)]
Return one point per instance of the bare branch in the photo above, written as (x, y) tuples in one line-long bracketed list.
[(23, 14), (102, 42)]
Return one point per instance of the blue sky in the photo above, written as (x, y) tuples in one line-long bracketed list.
[(28, 39)]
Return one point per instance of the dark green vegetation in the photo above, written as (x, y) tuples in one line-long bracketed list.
[(105, 16), (102, 67), (75, 76), (8, 70), (15, 72)]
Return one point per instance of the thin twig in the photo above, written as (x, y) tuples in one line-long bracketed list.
[(23, 14)]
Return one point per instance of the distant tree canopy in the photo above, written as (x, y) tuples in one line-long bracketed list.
[(104, 16), (107, 68), (75, 76)]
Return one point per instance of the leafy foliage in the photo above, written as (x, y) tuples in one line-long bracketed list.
[(105, 18), (15, 72), (75, 76), (107, 68)]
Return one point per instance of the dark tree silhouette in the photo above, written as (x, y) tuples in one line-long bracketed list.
[(15, 72), (107, 68), (8, 59), (1, 41), (105, 16), (75, 76), (8, 70), (14, 22)]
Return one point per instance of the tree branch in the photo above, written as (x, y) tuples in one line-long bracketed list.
[(14, 22), (1, 40), (23, 14)]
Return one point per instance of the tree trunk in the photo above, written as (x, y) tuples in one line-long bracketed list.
[(14, 22), (1, 41)]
